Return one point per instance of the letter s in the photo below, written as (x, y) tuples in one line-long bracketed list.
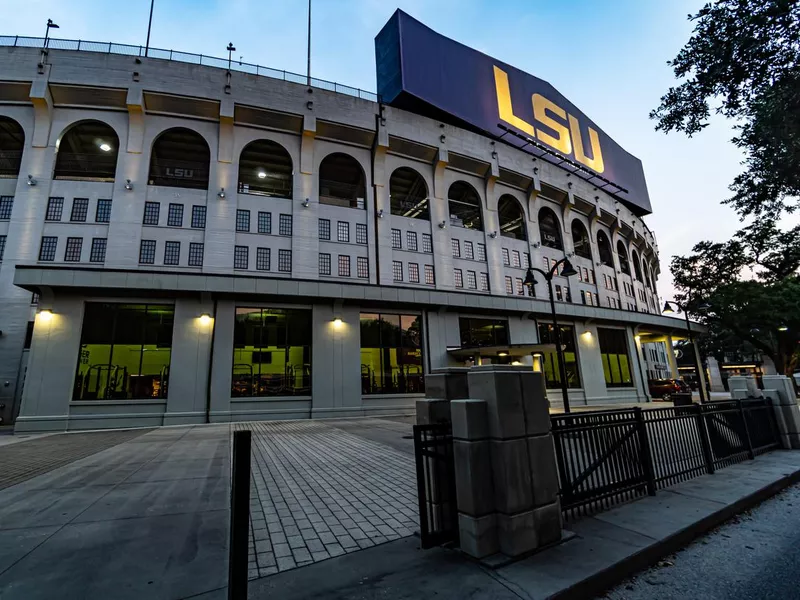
[(561, 142)]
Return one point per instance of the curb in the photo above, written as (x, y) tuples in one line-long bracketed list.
[(602, 581)]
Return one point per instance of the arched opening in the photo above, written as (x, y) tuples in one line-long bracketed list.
[(87, 151), (180, 158), (550, 230), (637, 268), (465, 206), (512, 218), (604, 249), (265, 169), (341, 182), (647, 280), (12, 143), (580, 240), (408, 194), (622, 255)]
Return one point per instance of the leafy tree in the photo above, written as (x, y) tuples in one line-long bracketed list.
[(742, 61)]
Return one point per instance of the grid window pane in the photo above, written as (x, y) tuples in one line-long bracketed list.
[(509, 285), (397, 270), (175, 215), (196, 254), (362, 267), (241, 256), (484, 282), (151, 210), (397, 239), (72, 253), (198, 217), (54, 208), (324, 263), (520, 287), (242, 220), (80, 208), (343, 231), (2, 246), (6, 205), (516, 260), (413, 272), (427, 243), (285, 261), (472, 280), (482, 252), (429, 278), (456, 245), (147, 252), (344, 266), (411, 240), (103, 212), (361, 233), (324, 229), (285, 225), (506, 257), (262, 259), (459, 278), (469, 251), (264, 222), (172, 253), (47, 251)]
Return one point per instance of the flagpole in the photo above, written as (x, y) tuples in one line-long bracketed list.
[(308, 69)]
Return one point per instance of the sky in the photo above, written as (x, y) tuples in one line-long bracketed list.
[(608, 57)]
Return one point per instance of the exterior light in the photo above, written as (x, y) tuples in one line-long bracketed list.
[(31, 181), (380, 214), (567, 270), (783, 328), (105, 147), (493, 235), (261, 174), (530, 280), (337, 322), (221, 193), (205, 319), (128, 185), (516, 363), (306, 202), (667, 308), (46, 314), (443, 225), (502, 354), (587, 333)]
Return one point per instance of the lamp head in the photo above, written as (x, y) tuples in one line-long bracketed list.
[(567, 270)]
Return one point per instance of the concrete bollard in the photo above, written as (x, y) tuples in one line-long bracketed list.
[(441, 387), (780, 391)]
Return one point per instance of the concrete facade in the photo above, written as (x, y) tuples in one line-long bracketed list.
[(142, 98)]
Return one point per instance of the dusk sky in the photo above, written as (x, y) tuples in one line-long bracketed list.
[(609, 58)]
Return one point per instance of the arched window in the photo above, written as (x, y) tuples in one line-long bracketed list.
[(180, 158), (465, 206), (408, 194), (12, 143), (265, 169), (622, 255), (580, 240), (604, 249), (341, 182), (512, 218), (647, 279), (87, 151), (637, 268), (549, 229)]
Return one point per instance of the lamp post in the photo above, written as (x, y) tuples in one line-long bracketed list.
[(149, 26), (567, 271), (698, 363)]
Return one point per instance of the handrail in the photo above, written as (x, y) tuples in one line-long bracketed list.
[(186, 57)]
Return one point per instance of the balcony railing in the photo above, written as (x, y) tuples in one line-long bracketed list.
[(179, 173), (84, 166), (186, 57)]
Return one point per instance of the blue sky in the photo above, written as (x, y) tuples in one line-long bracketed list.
[(609, 58)]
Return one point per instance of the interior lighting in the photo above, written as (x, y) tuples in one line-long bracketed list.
[(783, 328), (105, 147), (262, 174), (502, 354)]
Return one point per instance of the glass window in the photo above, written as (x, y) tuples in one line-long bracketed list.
[(520, 287), (80, 208), (506, 257), (87, 151), (175, 215), (411, 240), (361, 233), (512, 219), (47, 251), (54, 208), (550, 366), (458, 276), (341, 181), (469, 250), (262, 259), (482, 332), (362, 267), (516, 259), (271, 352), (604, 249), (285, 225), (472, 280), (482, 252), (464, 204), (324, 229), (484, 282), (125, 352), (180, 157), (429, 276), (172, 253), (637, 269), (103, 212), (147, 252), (198, 217), (549, 229), (397, 240), (510, 286), (408, 194), (580, 240), (195, 254), (242, 220), (622, 255), (324, 263), (240, 257), (285, 261), (391, 354), (265, 222), (456, 248), (343, 231), (344, 265), (427, 243), (6, 206), (614, 354), (72, 253), (397, 270), (265, 168), (2, 246), (151, 210), (413, 272)]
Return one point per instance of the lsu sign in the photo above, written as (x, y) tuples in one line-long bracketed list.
[(426, 73)]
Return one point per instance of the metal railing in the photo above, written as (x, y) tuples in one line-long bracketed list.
[(436, 487), (185, 57)]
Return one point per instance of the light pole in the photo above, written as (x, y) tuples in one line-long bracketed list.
[(50, 25), (698, 363), (149, 25), (530, 281)]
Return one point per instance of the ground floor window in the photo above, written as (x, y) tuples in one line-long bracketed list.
[(271, 352), (483, 332), (391, 354), (550, 365), (614, 354), (125, 352)]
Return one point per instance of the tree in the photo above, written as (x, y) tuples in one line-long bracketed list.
[(743, 61)]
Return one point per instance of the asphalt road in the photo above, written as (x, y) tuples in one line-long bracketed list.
[(753, 557)]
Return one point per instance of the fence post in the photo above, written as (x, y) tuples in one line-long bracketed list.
[(644, 444), (750, 453), (240, 516), (705, 442)]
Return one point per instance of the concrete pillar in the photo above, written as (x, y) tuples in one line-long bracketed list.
[(673, 364), (781, 392), (441, 387), (714, 375)]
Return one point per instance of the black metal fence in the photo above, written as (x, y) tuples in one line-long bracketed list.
[(436, 488), (608, 457)]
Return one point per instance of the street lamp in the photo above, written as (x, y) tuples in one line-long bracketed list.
[(50, 25), (698, 363), (567, 271)]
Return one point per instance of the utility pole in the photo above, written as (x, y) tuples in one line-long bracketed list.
[(149, 25)]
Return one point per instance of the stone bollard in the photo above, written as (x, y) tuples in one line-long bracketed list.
[(441, 387), (737, 383), (506, 473), (784, 405)]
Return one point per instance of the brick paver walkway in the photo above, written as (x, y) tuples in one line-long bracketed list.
[(318, 492)]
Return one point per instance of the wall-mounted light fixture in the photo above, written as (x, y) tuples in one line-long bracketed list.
[(537, 244), (46, 314), (31, 181), (443, 225), (380, 214), (337, 322), (221, 193), (306, 203), (569, 185), (128, 185), (442, 138), (535, 170), (494, 154), (204, 319), (310, 105), (493, 235)]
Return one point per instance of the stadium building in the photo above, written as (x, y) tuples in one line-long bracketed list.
[(188, 240)]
